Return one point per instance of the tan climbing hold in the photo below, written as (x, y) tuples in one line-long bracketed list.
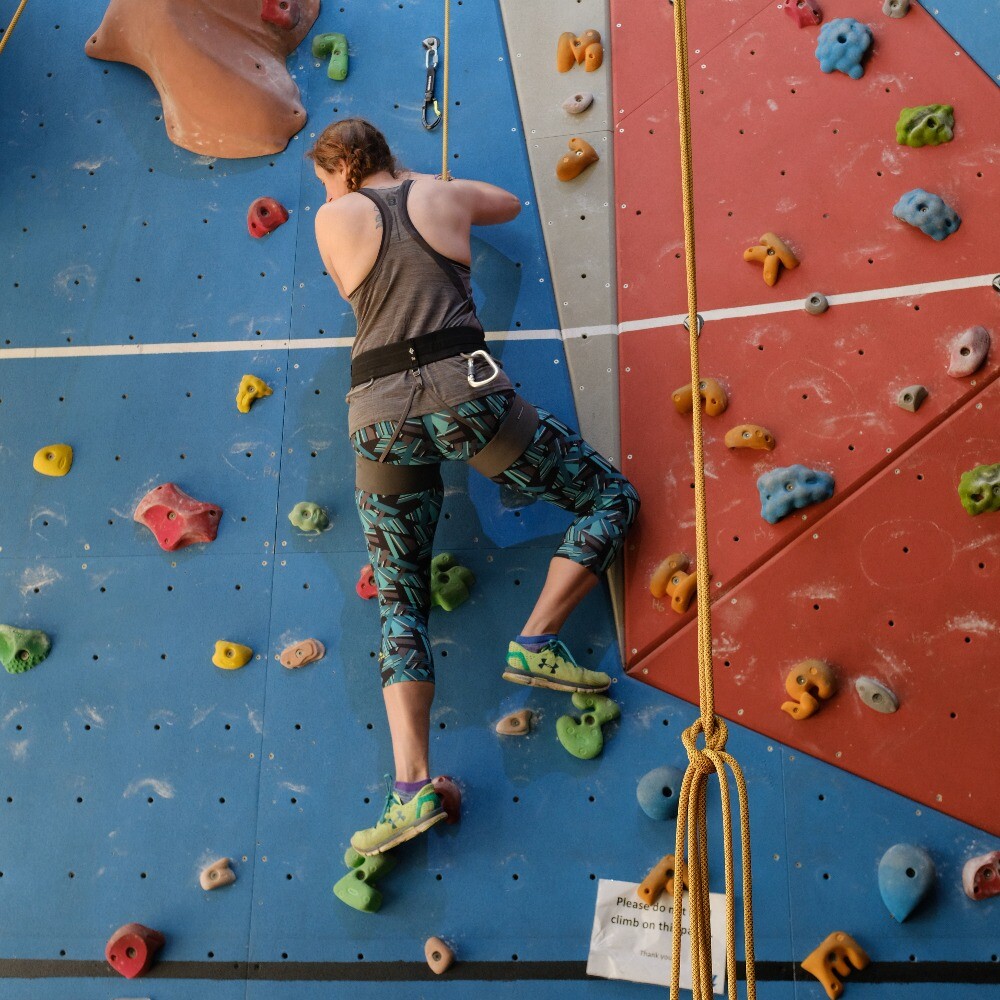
[(231, 655), (750, 436), (53, 460), (217, 874), (772, 252), (661, 879), (251, 388), (806, 683), (301, 653), (516, 724), (565, 53), (576, 104), (439, 956), (573, 163), (713, 397), (831, 959)]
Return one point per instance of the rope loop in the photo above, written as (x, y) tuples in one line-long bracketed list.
[(714, 741)]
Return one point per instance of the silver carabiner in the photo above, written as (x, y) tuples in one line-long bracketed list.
[(430, 44), (488, 358)]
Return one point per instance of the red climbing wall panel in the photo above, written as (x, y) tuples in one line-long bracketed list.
[(781, 146)]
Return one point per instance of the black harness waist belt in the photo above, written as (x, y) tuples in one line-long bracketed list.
[(434, 346)]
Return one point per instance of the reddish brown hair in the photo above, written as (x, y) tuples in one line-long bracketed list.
[(357, 143)]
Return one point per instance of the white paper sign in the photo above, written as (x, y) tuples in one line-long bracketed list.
[(632, 940)]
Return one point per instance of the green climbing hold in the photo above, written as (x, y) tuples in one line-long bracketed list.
[(581, 737), (928, 125), (334, 45), (602, 708), (309, 517), (22, 648), (978, 489), (356, 888), (450, 583)]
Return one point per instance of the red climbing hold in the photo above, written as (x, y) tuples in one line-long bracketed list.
[(264, 216), (283, 13), (177, 519), (451, 797), (366, 583), (131, 949), (805, 13)]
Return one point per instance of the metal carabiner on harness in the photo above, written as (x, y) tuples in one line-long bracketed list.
[(471, 359), (430, 62)]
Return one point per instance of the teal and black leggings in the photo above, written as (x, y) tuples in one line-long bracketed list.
[(558, 466)]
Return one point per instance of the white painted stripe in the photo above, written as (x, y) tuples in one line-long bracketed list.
[(657, 322)]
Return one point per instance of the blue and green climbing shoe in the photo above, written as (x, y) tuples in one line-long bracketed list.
[(552, 667), (400, 821)]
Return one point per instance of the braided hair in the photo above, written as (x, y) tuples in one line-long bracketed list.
[(359, 145)]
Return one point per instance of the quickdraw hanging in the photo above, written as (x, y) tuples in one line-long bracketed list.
[(430, 63)]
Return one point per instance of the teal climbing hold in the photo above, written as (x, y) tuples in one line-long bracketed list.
[(450, 583), (979, 489), (584, 737), (357, 888), (22, 648), (928, 125), (334, 45), (659, 792), (905, 876)]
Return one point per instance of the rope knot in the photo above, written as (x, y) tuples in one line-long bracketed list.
[(716, 742)]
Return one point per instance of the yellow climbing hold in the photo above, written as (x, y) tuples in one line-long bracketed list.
[(251, 388), (53, 460), (231, 655)]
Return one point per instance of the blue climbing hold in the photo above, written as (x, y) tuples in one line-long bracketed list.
[(930, 213), (905, 876), (659, 792), (784, 490), (842, 45)]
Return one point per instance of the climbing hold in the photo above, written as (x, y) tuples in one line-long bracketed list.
[(968, 351), (750, 436), (927, 212), (659, 791), (251, 388), (130, 950), (301, 653), (565, 52), (309, 517), (600, 706), (792, 488), (912, 397), (217, 874), (816, 304), (927, 125), (53, 460), (831, 959), (842, 46), (979, 489), (516, 723), (593, 57), (573, 163), (231, 655), (981, 876), (672, 580), (334, 45), (451, 798), (905, 876), (876, 695), (366, 586), (576, 104), (22, 648), (282, 13), (896, 8), (176, 519), (264, 216), (582, 43), (805, 13), (713, 397), (806, 682), (450, 583), (661, 879), (771, 251), (583, 737), (439, 956), (357, 888)]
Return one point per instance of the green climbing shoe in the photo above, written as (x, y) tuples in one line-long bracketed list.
[(400, 821), (553, 667)]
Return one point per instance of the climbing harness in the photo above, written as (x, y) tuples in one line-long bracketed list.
[(692, 824), (430, 63), (13, 24)]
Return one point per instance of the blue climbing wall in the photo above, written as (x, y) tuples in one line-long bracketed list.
[(132, 301)]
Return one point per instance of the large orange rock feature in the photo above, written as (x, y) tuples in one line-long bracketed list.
[(219, 68)]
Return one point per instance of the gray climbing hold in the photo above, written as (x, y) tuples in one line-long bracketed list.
[(816, 304), (896, 8), (576, 104), (876, 695), (968, 351), (912, 397), (659, 792), (905, 876)]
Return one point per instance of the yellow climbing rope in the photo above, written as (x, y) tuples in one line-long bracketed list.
[(444, 97), (692, 824), (13, 23)]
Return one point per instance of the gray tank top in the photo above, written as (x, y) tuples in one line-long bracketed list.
[(411, 290)]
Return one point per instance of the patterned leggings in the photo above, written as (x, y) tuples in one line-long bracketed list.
[(558, 466)]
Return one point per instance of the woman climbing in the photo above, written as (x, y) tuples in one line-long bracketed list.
[(424, 389)]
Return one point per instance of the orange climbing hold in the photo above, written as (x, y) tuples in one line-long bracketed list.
[(573, 163), (806, 683), (831, 959), (672, 580), (661, 879), (750, 436), (772, 252), (713, 397)]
